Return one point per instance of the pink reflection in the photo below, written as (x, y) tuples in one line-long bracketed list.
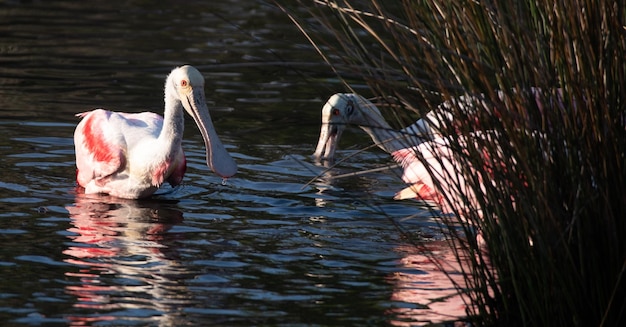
[(428, 287), (122, 263)]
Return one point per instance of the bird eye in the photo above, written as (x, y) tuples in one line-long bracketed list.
[(336, 112), (183, 82), (349, 108)]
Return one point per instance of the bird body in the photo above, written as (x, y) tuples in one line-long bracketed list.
[(431, 166), (130, 155), (433, 172)]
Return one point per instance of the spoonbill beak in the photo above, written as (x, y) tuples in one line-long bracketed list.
[(327, 144), (217, 158)]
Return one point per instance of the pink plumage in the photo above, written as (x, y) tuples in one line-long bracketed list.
[(130, 155)]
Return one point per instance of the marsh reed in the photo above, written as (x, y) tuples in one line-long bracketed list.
[(552, 80)]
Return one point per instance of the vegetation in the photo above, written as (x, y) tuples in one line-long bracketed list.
[(552, 210)]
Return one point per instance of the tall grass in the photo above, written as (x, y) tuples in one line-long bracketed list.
[(553, 214)]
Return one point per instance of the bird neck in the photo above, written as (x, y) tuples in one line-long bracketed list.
[(382, 134), (173, 122)]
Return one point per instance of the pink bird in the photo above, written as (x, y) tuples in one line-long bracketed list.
[(131, 155), (343, 109), (420, 140)]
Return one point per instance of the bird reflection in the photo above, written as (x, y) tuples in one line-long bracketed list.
[(428, 286), (125, 268), (323, 182)]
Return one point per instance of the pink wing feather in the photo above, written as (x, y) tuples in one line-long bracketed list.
[(99, 153), (103, 140)]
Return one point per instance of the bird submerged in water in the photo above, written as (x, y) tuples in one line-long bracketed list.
[(130, 155)]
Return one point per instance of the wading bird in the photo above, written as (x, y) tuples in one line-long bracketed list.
[(131, 155), (462, 113), (343, 109), (420, 149)]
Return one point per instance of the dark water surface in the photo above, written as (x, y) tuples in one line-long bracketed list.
[(265, 248)]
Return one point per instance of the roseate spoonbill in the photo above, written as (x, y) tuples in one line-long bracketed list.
[(421, 138), (344, 109), (131, 155)]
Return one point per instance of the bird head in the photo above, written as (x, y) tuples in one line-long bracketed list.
[(187, 84), (341, 110)]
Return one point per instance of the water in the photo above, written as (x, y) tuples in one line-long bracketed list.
[(263, 248)]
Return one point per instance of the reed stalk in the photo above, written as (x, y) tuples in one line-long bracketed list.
[(550, 183)]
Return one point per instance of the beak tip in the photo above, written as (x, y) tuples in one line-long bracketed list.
[(225, 171), (318, 158)]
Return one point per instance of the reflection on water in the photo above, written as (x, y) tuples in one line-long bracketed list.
[(429, 279), (325, 183), (125, 270)]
